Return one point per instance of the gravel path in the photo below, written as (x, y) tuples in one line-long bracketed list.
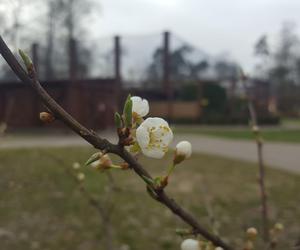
[(278, 155)]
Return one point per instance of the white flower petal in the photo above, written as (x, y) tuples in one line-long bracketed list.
[(168, 137), (145, 108), (142, 136), (153, 153), (140, 106), (156, 122)]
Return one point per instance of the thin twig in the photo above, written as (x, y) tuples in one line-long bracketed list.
[(209, 208), (103, 144), (261, 179), (103, 211)]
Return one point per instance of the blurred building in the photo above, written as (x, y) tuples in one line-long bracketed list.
[(182, 83), (92, 102)]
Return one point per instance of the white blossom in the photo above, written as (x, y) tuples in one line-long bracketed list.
[(140, 106), (190, 244), (154, 136), (219, 248), (184, 148)]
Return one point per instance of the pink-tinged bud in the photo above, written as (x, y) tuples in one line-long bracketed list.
[(46, 117), (104, 162), (251, 233)]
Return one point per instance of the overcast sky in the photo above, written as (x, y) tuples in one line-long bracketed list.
[(216, 26)]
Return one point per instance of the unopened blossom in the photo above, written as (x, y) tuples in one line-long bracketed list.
[(80, 176), (183, 151), (104, 162), (190, 244), (154, 136), (251, 232), (219, 248), (255, 129), (184, 148), (140, 107), (76, 165), (46, 117), (278, 227)]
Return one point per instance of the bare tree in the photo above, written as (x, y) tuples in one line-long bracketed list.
[(262, 51), (67, 19)]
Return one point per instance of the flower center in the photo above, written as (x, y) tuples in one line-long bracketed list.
[(155, 135)]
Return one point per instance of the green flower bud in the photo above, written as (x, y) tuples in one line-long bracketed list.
[(128, 112), (26, 59), (118, 120), (93, 158)]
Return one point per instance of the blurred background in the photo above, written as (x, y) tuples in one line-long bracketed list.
[(184, 57)]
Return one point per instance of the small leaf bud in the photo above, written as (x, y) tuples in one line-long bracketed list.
[(27, 61), (101, 161), (251, 233), (46, 117), (76, 165), (118, 120), (80, 177), (128, 112), (278, 227)]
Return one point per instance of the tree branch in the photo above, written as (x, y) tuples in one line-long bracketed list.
[(103, 144)]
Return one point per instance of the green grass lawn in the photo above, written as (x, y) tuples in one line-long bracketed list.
[(272, 135), (41, 206)]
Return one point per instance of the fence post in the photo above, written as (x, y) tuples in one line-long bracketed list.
[(73, 90), (117, 68), (73, 60), (35, 57), (168, 90)]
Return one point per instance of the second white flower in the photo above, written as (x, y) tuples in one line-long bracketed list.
[(140, 106)]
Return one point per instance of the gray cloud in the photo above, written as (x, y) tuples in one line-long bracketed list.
[(215, 26)]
